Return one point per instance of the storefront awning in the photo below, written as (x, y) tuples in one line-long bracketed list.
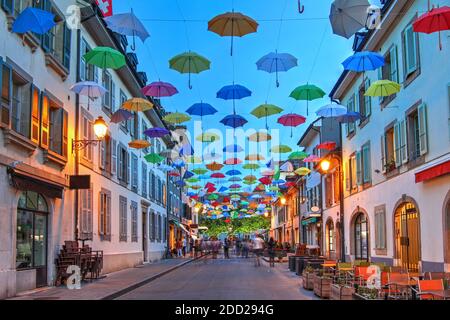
[(433, 171), (180, 225), (309, 221), (25, 182)]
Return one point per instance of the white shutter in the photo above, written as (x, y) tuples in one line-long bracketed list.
[(383, 153), (120, 171), (423, 130), (102, 157), (347, 175), (90, 202), (108, 215), (359, 179), (403, 142), (397, 145), (102, 215), (113, 96)]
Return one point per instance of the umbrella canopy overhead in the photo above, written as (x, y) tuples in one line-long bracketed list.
[(348, 16), (287, 167), (235, 179), (436, 20), (105, 58), (156, 132), (275, 62), (251, 166), (312, 158), (137, 104), (34, 20), (266, 110), (232, 24), (90, 89), (129, 25), (281, 149), (234, 148), (255, 157), (232, 161), (349, 117), (121, 115), (208, 137), (139, 144), (307, 93), (199, 171), (303, 171), (327, 145), (383, 88), (234, 121), (218, 175), (153, 158), (233, 173), (291, 120), (233, 92), (201, 109), (260, 136), (176, 118), (214, 166), (297, 155), (331, 110), (189, 62), (159, 90), (363, 61)]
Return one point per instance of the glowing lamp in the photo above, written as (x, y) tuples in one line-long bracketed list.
[(325, 165), (100, 128)]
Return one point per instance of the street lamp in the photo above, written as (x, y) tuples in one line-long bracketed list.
[(325, 165), (283, 201), (100, 130)]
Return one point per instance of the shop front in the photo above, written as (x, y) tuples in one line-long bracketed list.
[(312, 233)]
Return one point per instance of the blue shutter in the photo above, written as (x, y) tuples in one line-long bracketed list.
[(367, 99), (8, 6), (67, 46)]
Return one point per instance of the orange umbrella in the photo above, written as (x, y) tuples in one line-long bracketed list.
[(214, 166), (137, 104), (259, 137), (139, 144)]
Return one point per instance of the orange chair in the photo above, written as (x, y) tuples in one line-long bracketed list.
[(429, 286), (395, 287)]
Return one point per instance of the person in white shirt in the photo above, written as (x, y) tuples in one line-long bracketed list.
[(258, 247), (184, 247)]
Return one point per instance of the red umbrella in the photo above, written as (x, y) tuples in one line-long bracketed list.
[(226, 199), (211, 190), (291, 120), (290, 184), (327, 145), (312, 158), (194, 197), (218, 175), (436, 20), (209, 185), (265, 180), (233, 161), (215, 204), (174, 174)]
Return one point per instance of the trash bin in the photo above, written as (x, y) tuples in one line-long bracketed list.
[(292, 263), (300, 264), (316, 263)]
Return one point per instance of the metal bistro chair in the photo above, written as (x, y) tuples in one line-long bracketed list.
[(426, 287), (396, 285)]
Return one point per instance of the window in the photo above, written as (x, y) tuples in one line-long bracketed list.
[(134, 222), (86, 216), (57, 126), (363, 166), (123, 164), (351, 107), (389, 71), (109, 98), (152, 225), (380, 227), (153, 186), (144, 180), (87, 133), (134, 172), (351, 177), (388, 151), (164, 191), (415, 137), (330, 236), (21, 105), (105, 154), (6, 78), (364, 102), (411, 61), (104, 224), (113, 156), (88, 72), (144, 136), (123, 216), (134, 126)]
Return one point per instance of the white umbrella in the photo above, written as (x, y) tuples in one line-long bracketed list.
[(331, 110), (348, 16)]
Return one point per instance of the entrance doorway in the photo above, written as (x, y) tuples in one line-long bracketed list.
[(31, 235), (361, 233), (144, 235), (407, 236)]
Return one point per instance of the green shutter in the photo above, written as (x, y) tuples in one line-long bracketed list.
[(394, 64), (403, 141), (367, 99), (359, 180), (410, 50), (367, 177), (423, 130)]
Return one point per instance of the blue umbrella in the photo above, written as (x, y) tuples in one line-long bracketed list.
[(278, 181), (156, 132), (121, 115), (233, 148), (179, 163), (191, 194), (34, 20), (180, 183), (331, 110), (276, 62), (363, 61), (233, 173), (234, 121), (201, 109), (233, 92), (186, 150), (223, 189), (349, 117), (127, 24), (188, 175)]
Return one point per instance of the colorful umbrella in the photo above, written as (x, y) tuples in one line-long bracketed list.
[(127, 24), (232, 24), (189, 62), (233, 92), (214, 166), (176, 118), (201, 109), (363, 61), (188, 175), (137, 104), (260, 137), (251, 166), (291, 120), (266, 110), (312, 158), (436, 20), (303, 171), (233, 173), (232, 161), (331, 110), (348, 16), (34, 20), (265, 180), (174, 174), (297, 155), (255, 157), (234, 148), (234, 121), (212, 156), (193, 180), (139, 144), (218, 175), (193, 160), (90, 89), (349, 117), (383, 88), (195, 187), (121, 115), (235, 186), (287, 167), (208, 137), (327, 145), (281, 149), (156, 132), (250, 182), (307, 92), (268, 173), (105, 57), (276, 62), (199, 171), (235, 179), (186, 150), (159, 90), (153, 158)]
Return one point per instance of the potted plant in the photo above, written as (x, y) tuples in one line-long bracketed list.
[(322, 284), (390, 165), (341, 291), (308, 278), (365, 293)]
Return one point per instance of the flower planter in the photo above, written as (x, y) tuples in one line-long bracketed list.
[(341, 292), (322, 286), (308, 280)]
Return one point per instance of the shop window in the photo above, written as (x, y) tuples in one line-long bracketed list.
[(123, 219), (105, 215), (361, 239)]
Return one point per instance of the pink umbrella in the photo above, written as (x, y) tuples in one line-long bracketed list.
[(231, 161), (235, 186), (291, 120), (268, 173), (218, 175), (312, 158), (159, 89)]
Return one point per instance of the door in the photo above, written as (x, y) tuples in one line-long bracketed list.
[(144, 235), (407, 236), (361, 238)]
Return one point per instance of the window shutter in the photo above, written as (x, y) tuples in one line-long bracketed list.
[(113, 96), (67, 45), (367, 99), (136, 126), (8, 6), (90, 202), (119, 163), (347, 175), (101, 216), (47, 37), (410, 50), (367, 176), (397, 144), (423, 130), (359, 180), (113, 156), (65, 134), (380, 77), (108, 215), (128, 173), (6, 81), (144, 180), (101, 153), (394, 64), (403, 141), (82, 61), (45, 121), (383, 154), (35, 106)]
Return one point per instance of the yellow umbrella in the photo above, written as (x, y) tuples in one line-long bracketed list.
[(176, 118), (232, 24), (259, 137), (281, 149), (208, 137), (250, 178), (254, 157), (193, 160), (383, 88), (195, 187), (303, 171), (139, 144), (137, 104)]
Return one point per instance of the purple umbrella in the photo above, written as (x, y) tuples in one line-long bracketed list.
[(121, 115), (159, 89), (233, 121), (235, 186), (156, 132)]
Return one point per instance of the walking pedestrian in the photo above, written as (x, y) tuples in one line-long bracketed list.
[(226, 246), (245, 247), (258, 247), (271, 248), (184, 244), (179, 248), (238, 247)]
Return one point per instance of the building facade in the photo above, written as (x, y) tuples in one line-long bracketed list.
[(396, 159)]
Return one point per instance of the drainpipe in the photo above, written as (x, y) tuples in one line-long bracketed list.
[(77, 120)]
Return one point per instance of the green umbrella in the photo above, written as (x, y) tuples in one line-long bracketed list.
[(153, 158), (105, 57), (266, 110), (281, 149), (193, 180), (251, 166), (298, 155), (176, 117), (213, 197), (307, 92), (277, 174), (199, 171), (249, 182), (383, 88), (189, 62)]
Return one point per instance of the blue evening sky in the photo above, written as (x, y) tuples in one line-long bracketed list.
[(307, 36)]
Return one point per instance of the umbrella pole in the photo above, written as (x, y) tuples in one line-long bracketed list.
[(190, 86), (440, 41)]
